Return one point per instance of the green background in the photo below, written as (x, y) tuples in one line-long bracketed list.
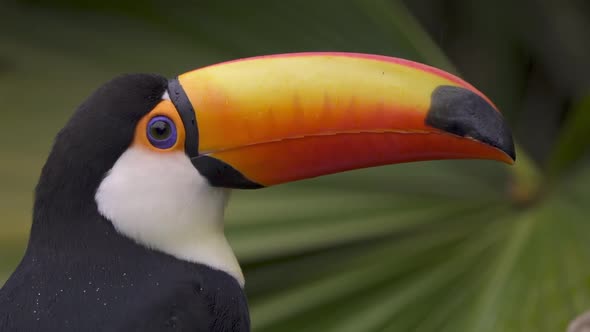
[(437, 246)]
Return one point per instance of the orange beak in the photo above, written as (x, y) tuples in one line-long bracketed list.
[(267, 120)]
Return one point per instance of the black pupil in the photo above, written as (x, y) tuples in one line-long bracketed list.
[(160, 130)]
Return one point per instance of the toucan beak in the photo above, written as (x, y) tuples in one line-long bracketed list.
[(267, 120)]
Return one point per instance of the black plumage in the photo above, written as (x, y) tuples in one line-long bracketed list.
[(78, 273)]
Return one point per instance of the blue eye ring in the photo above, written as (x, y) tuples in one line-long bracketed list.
[(161, 132)]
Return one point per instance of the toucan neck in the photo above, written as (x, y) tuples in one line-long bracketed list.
[(164, 203), (64, 212)]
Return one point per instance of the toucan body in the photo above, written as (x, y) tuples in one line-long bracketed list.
[(127, 230)]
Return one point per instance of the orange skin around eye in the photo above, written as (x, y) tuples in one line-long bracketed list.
[(167, 109)]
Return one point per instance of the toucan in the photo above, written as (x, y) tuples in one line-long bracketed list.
[(127, 231)]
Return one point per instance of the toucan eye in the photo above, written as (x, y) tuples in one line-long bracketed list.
[(161, 132)]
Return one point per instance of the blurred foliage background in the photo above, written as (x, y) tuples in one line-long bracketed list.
[(440, 246)]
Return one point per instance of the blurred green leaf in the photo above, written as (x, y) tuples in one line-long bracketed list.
[(440, 246), (526, 179), (394, 17), (574, 140)]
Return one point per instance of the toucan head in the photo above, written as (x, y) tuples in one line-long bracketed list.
[(157, 157)]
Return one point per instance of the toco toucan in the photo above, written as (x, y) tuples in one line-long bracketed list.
[(127, 230)]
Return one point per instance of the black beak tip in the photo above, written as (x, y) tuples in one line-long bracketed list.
[(510, 150), (463, 112)]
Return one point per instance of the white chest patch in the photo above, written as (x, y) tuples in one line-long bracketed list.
[(161, 201)]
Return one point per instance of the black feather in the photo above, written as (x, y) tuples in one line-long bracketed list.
[(78, 273)]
